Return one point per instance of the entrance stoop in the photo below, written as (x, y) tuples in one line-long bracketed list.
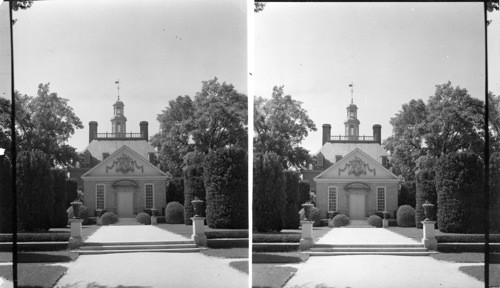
[(369, 249), (92, 248)]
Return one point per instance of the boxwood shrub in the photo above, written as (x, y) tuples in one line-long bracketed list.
[(193, 184), (406, 216), (426, 187), (109, 218), (340, 220), (268, 193), (291, 217), (374, 220), (174, 213), (83, 213), (226, 184), (460, 189), (226, 234), (143, 218), (316, 216)]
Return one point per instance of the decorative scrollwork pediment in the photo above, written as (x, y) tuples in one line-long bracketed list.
[(357, 167), (125, 164)]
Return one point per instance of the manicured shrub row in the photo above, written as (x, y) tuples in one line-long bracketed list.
[(460, 189), (426, 187), (175, 190), (304, 189), (268, 193), (283, 247), (143, 218), (5, 195), (174, 213), (36, 237), (315, 216), (225, 179), (467, 238), (494, 186), (109, 218), (193, 184), (340, 220), (59, 218), (407, 193), (226, 234), (276, 238), (291, 218), (374, 220), (392, 222), (406, 216)]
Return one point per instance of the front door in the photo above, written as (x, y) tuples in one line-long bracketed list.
[(125, 202), (357, 205)]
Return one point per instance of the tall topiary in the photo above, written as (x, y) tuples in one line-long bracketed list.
[(71, 192), (35, 192), (59, 217), (226, 183), (304, 189), (291, 218), (193, 184), (268, 193), (426, 187), (494, 186), (175, 190), (5, 195), (460, 189)]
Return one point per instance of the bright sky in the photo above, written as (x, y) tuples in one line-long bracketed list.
[(392, 52), (158, 49), (5, 59)]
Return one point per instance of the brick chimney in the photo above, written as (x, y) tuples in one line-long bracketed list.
[(377, 133), (144, 130), (327, 131), (92, 130)]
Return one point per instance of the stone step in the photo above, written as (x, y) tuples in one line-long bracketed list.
[(137, 243), (369, 250), (312, 253), (176, 250), (137, 247), (380, 245)]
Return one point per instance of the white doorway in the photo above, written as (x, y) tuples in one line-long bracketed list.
[(125, 200), (356, 205)]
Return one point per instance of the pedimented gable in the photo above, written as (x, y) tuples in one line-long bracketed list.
[(356, 165), (124, 162)]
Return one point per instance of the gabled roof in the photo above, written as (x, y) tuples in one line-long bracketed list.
[(130, 157), (374, 150), (357, 155), (98, 147)]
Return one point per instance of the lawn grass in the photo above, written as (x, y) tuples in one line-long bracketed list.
[(35, 275), (271, 276), (226, 252), (5, 256), (417, 234), (240, 266), (279, 257), (460, 257), (478, 273)]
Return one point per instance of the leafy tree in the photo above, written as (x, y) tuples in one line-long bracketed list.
[(216, 118), (280, 126), (193, 184), (494, 121), (43, 123), (258, 7), (494, 186), (425, 187), (20, 5), (5, 127), (491, 6)]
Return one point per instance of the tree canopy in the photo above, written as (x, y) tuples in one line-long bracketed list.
[(43, 123), (280, 126), (216, 118)]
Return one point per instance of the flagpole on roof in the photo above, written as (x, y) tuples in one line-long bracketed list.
[(118, 87), (352, 91)]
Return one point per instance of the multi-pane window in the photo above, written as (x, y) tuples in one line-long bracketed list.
[(381, 199), (332, 198), (149, 196), (100, 196)]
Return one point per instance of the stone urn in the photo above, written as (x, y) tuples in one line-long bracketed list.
[(386, 215), (197, 205), (428, 210), (76, 207), (307, 210)]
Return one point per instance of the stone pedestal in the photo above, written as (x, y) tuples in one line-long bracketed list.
[(429, 237), (154, 220), (306, 241), (98, 221), (199, 236), (76, 233), (385, 223)]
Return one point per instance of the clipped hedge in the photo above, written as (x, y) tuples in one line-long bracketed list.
[(406, 216), (467, 238), (143, 218), (276, 238), (268, 193), (226, 234), (426, 187), (407, 193), (316, 216), (375, 220), (5, 195), (59, 216), (109, 218), (35, 191), (36, 237), (460, 189), (174, 213), (304, 189), (340, 220), (175, 190), (226, 184), (291, 217), (494, 186), (193, 184), (71, 191)]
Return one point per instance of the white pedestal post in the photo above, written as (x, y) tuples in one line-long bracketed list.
[(76, 233), (154, 221), (385, 223), (429, 237), (199, 236), (98, 219), (306, 242)]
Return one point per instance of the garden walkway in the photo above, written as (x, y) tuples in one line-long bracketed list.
[(363, 236), (133, 233)]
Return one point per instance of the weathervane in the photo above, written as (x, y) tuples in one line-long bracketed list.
[(117, 82), (352, 91)]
